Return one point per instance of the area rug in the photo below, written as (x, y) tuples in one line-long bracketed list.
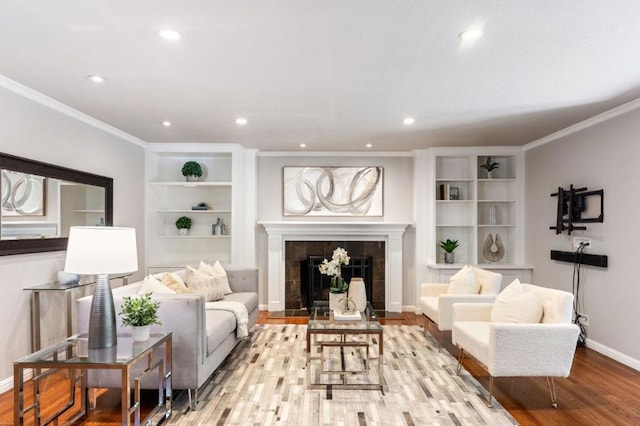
[(263, 382)]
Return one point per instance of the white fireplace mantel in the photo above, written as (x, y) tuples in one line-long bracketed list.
[(279, 232)]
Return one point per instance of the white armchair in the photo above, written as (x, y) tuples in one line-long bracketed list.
[(436, 301), (509, 349)]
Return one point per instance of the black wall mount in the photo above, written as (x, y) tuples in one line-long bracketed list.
[(571, 204), (582, 258)]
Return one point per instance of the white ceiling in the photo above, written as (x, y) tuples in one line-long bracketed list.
[(334, 74)]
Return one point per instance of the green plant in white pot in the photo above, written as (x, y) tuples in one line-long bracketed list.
[(449, 246), (192, 171), (139, 312), (490, 165), (183, 224)]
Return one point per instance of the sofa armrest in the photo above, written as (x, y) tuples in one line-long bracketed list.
[(518, 349), (433, 289), (471, 312), (446, 301), (242, 279)]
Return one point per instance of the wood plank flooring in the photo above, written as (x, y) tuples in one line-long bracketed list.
[(599, 391)]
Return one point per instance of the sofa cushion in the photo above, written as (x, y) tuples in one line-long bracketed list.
[(152, 285), (513, 304), (175, 283), (464, 282), (219, 324), (473, 336), (216, 271), (209, 286), (250, 300)]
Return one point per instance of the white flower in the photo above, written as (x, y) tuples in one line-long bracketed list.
[(340, 256), (329, 268)]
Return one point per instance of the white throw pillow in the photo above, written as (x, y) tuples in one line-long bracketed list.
[(153, 285), (513, 304), (210, 287), (464, 282), (216, 271)]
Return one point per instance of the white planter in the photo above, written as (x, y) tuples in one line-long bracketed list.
[(183, 231), (141, 333), (336, 301), (358, 293)]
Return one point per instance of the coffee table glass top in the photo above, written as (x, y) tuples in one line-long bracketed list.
[(322, 319)]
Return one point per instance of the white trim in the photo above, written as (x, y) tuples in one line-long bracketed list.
[(7, 384), (33, 95), (360, 154), (607, 115), (192, 148), (411, 308), (613, 354)]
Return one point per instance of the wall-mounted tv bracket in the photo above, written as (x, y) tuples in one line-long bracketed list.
[(571, 204)]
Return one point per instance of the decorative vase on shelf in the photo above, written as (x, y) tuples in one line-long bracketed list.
[(358, 293), (490, 174), (449, 257), (183, 231), (192, 178), (141, 333), (493, 215)]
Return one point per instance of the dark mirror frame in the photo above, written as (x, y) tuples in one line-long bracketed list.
[(24, 165)]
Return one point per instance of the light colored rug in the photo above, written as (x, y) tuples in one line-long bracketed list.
[(263, 382)]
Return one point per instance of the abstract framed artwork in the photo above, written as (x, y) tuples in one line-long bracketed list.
[(333, 191)]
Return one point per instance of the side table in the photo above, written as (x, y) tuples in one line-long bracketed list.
[(73, 354)]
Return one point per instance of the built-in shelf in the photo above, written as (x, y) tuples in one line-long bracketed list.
[(194, 211), (88, 211), (496, 226), (195, 236), (190, 184)]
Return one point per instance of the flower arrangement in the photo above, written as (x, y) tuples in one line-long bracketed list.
[(333, 268)]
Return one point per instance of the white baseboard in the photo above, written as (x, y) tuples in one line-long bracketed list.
[(7, 384), (410, 308), (613, 354)]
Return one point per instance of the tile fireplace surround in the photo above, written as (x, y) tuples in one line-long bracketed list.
[(278, 233)]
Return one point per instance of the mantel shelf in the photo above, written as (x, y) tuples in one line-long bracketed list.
[(194, 211)]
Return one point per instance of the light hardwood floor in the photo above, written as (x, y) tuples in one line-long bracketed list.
[(599, 391)]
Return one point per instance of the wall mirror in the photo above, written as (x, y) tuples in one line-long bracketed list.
[(41, 201)]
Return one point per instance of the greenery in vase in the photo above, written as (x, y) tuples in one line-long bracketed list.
[(139, 311), (183, 222), (449, 245), (191, 168), (333, 268), (490, 165)]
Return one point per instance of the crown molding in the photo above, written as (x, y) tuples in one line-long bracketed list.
[(335, 154), (607, 115), (35, 96)]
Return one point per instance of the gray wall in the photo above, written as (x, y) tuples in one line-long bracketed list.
[(398, 204), (604, 156), (34, 131)]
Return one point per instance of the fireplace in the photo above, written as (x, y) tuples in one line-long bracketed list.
[(281, 233), (304, 283)]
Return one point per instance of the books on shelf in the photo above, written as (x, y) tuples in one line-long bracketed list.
[(448, 192)]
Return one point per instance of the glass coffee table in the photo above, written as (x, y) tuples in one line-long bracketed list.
[(354, 339), (72, 354)]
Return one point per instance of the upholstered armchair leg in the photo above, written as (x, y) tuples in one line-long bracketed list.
[(460, 357), (552, 392), (193, 399), (425, 326), (440, 340), (490, 405)]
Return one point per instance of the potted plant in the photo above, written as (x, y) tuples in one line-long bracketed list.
[(139, 312), (333, 268), (183, 224), (449, 246), (489, 165), (192, 171)]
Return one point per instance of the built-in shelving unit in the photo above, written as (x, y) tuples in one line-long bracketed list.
[(463, 203)]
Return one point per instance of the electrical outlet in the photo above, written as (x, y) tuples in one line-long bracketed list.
[(584, 319), (585, 241)]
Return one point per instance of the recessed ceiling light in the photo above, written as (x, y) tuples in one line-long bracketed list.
[(303, 145), (472, 34), (241, 121), (369, 145), (409, 120), (170, 35), (166, 123), (96, 78)]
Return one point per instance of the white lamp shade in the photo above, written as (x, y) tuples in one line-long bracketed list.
[(101, 250)]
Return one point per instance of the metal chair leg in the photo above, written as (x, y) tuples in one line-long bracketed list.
[(552, 392), (193, 399), (460, 358)]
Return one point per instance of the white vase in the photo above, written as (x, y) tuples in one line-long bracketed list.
[(358, 293), (141, 333), (336, 301), (183, 231)]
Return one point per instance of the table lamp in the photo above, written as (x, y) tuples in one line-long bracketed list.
[(100, 250)]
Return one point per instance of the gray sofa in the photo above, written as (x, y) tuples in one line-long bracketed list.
[(202, 338)]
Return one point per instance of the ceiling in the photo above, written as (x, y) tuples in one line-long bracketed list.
[(333, 74)]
